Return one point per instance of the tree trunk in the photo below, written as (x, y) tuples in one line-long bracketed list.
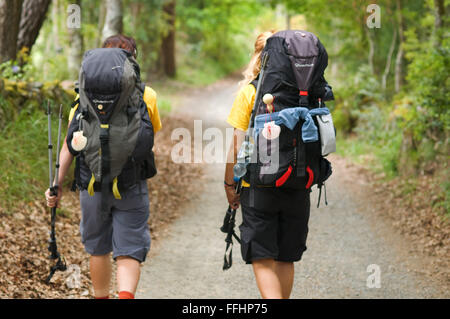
[(55, 26), (400, 53), (288, 21), (33, 16), (388, 61), (168, 41), (76, 48), (135, 8), (371, 50), (113, 20), (101, 21), (9, 28), (439, 9)]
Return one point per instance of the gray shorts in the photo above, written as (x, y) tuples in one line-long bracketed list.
[(125, 232)]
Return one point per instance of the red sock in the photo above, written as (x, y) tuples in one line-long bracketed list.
[(106, 297), (125, 295)]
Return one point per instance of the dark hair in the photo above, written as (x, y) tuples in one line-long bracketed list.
[(121, 41)]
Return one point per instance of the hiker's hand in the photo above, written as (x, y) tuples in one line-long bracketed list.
[(233, 198), (53, 201)]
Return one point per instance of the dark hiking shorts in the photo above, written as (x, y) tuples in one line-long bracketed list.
[(125, 232), (277, 226)]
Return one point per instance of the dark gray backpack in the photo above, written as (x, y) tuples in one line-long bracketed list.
[(113, 117)]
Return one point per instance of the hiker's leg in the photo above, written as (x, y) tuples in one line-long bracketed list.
[(100, 268), (131, 237), (128, 272), (285, 274), (266, 278), (96, 236), (293, 232)]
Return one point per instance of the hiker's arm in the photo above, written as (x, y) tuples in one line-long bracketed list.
[(238, 138), (65, 160)]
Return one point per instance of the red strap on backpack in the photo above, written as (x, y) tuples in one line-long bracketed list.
[(311, 177), (284, 177)]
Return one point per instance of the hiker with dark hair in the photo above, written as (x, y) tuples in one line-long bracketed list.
[(281, 101), (123, 42), (111, 130)]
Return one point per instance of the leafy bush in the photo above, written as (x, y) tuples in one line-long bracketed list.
[(18, 69), (429, 79), (359, 93), (343, 120), (381, 133)]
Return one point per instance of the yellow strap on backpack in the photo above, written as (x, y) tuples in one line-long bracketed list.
[(91, 186), (115, 189)]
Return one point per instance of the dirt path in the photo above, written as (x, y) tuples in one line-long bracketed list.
[(345, 237)]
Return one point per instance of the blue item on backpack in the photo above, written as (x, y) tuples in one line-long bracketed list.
[(289, 117)]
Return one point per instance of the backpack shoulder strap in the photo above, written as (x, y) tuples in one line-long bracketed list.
[(255, 82), (140, 86)]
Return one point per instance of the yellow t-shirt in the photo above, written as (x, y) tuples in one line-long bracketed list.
[(241, 111), (152, 108)]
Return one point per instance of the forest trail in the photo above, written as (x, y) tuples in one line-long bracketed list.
[(344, 238)]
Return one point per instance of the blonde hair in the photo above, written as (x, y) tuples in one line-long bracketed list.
[(253, 68)]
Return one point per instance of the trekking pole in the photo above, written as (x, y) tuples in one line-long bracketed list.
[(52, 247), (50, 147)]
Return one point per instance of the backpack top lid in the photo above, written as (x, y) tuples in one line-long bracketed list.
[(301, 47), (108, 78), (297, 61), (103, 70)]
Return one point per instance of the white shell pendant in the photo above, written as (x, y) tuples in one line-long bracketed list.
[(79, 141), (271, 131)]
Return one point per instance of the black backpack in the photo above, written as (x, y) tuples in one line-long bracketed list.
[(294, 76)]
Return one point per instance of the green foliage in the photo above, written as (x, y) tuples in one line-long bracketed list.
[(361, 91), (146, 23), (49, 53), (164, 106), (24, 159), (354, 148), (21, 96), (24, 167), (343, 120), (213, 38), (18, 69), (217, 37), (382, 137), (429, 79)]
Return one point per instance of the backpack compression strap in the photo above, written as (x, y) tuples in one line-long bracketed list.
[(106, 169)]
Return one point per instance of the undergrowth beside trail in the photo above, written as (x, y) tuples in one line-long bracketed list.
[(431, 181)]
